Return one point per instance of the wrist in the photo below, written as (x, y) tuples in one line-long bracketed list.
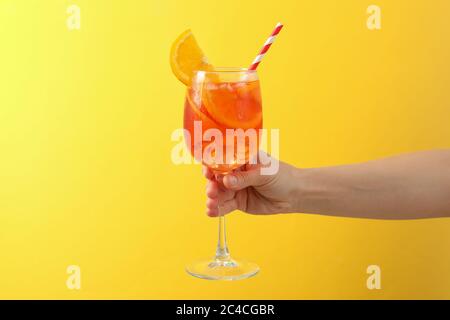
[(311, 191), (298, 189)]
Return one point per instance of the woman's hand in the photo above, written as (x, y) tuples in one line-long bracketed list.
[(248, 190)]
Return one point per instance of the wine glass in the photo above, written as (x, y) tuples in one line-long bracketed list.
[(223, 107)]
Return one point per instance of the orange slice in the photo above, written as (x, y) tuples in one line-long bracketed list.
[(234, 104), (187, 57)]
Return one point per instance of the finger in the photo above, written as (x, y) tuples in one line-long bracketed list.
[(207, 173), (225, 195), (212, 189), (214, 210), (212, 203), (219, 179), (212, 207), (228, 206), (213, 192), (242, 179)]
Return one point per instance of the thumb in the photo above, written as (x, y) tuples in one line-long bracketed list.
[(242, 179)]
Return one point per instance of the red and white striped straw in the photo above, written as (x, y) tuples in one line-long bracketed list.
[(266, 46)]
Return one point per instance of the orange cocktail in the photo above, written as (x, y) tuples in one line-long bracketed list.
[(225, 101)]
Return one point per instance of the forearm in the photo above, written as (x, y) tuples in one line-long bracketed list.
[(410, 186)]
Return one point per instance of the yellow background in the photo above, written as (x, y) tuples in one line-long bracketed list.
[(86, 116)]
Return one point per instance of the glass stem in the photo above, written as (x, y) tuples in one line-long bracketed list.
[(222, 252)]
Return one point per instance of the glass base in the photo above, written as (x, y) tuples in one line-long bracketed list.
[(226, 269)]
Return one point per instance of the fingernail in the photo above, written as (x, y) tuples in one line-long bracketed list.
[(233, 180)]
